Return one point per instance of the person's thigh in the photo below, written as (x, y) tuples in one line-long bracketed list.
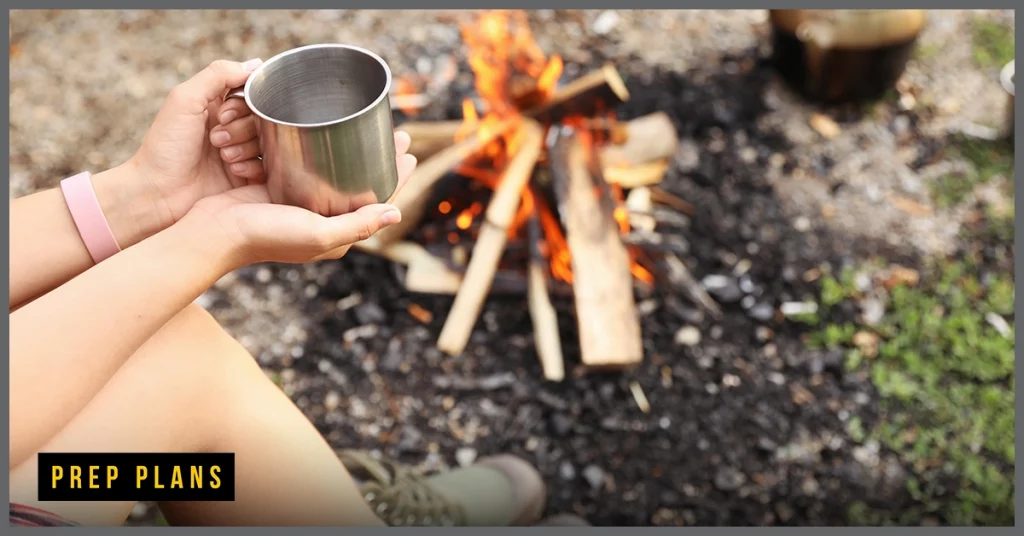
[(165, 398), (193, 388)]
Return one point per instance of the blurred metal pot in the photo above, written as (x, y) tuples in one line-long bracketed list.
[(840, 55)]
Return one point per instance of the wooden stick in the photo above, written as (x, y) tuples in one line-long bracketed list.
[(680, 275), (442, 280), (430, 137), (412, 198), (545, 320), (431, 276), (589, 95), (401, 252), (425, 272), (491, 242), (665, 198), (647, 174), (411, 103), (649, 138), (609, 326)]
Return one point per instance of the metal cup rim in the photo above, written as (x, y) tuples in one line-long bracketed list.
[(383, 94)]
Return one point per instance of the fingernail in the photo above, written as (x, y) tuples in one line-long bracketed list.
[(238, 168), (390, 217), (252, 64), (230, 153), (220, 137), (227, 116)]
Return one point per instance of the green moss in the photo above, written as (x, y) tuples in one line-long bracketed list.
[(832, 336), (993, 42), (945, 380), (988, 159)]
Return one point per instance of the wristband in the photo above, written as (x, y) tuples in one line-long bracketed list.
[(88, 215)]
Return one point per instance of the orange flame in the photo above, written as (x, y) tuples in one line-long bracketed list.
[(557, 249), (405, 89), (511, 73)]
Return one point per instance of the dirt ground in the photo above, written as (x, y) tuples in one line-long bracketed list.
[(749, 423)]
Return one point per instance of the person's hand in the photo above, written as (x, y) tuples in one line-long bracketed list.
[(251, 229), (201, 144)]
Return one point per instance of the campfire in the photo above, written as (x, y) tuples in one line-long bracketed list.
[(538, 186)]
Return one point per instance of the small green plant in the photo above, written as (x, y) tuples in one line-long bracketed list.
[(945, 378)]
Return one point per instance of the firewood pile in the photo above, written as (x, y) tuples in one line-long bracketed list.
[(553, 193)]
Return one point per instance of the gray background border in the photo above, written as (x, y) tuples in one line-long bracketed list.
[(470, 4)]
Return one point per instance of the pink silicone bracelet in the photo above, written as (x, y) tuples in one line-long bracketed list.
[(88, 215)]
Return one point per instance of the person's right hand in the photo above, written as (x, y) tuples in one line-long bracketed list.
[(250, 228)]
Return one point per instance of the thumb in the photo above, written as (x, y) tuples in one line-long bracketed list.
[(358, 226), (195, 94)]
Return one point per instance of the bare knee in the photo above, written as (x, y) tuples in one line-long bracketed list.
[(194, 361), (194, 341)]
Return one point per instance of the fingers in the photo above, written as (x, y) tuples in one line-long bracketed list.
[(238, 143), (250, 170), (233, 133), (232, 109), (406, 165), (402, 142), (242, 151), (195, 95), (347, 229), (335, 253)]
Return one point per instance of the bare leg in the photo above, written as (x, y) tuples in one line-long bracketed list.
[(192, 388)]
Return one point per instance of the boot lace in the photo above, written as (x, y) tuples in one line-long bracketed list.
[(400, 495)]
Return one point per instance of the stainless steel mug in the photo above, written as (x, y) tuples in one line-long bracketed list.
[(325, 128)]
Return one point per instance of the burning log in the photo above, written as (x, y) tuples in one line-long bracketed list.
[(412, 198), (542, 313), (491, 241), (587, 96), (430, 137), (609, 326)]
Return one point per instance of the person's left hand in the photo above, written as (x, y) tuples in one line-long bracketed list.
[(200, 143)]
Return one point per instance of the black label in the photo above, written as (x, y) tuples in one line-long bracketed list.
[(95, 476)]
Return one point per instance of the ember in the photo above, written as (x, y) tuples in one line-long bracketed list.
[(533, 179)]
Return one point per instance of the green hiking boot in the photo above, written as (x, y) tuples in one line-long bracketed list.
[(495, 491)]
